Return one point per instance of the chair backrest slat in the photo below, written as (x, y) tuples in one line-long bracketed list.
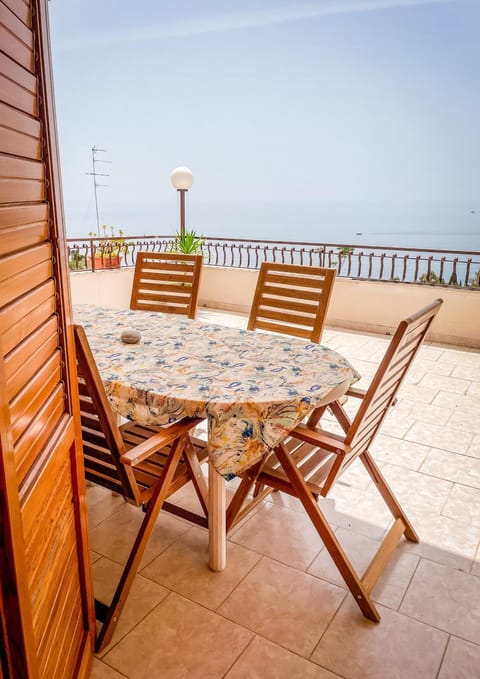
[(102, 442), (166, 282), (292, 299), (402, 350)]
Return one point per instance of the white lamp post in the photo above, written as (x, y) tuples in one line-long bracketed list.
[(182, 180)]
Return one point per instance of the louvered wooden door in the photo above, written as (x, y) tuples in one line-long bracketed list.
[(47, 622)]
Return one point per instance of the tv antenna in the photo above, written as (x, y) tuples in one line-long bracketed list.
[(96, 174)]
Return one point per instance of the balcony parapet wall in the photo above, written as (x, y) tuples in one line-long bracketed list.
[(365, 306)]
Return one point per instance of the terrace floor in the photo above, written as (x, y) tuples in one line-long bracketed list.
[(280, 610)]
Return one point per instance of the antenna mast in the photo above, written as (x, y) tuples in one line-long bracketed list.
[(96, 174)]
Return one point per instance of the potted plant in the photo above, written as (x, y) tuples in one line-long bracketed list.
[(76, 261), (188, 243), (109, 252)]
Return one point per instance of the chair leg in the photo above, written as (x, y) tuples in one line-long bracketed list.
[(196, 474), (136, 553), (236, 503), (387, 494), (328, 537)]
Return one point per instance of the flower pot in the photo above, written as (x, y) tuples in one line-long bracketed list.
[(107, 261)]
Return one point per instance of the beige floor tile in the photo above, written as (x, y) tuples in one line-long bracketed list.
[(179, 639), (446, 598), (467, 372), (264, 659), (284, 605), (397, 646), (434, 367), (362, 510), (451, 384), (432, 353), (396, 424), (94, 556), (431, 414), (476, 565), (461, 661), (281, 534), (360, 550), (357, 476), (115, 536), (99, 670), (143, 596), (429, 492), (101, 505), (413, 392), (183, 568), (399, 452), (442, 539), (458, 468), (463, 505), (474, 389), (459, 356), (474, 448), (465, 421), (454, 401), (289, 502), (440, 437)]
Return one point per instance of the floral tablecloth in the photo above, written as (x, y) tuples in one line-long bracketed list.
[(253, 387)]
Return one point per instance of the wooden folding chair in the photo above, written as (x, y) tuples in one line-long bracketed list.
[(292, 299), (311, 459), (167, 282), (144, 464)]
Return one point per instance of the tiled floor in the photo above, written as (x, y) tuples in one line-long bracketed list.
[(280, 609)]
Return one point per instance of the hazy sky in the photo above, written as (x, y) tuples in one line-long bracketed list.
[(267, 100)]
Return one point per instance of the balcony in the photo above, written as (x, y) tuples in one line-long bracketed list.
[(280, 609)]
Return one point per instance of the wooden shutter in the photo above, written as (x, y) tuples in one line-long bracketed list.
[(47, 621)]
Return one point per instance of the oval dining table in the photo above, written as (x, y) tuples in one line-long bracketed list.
[(252, 387)]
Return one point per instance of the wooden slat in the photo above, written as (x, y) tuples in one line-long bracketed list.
[(26, 313), (38, 433), (313, 295), (295, 281), (152, 267), (290, 305), (19, 134), (23, 282), (21, 168), (29, 401), (16, 38), (22, 364), (16, 190), (21, 237), (284, 329), (147, 278), (19, 215), (17, 75), (21, 8), (57, 657), (17, 86), (285, 318)]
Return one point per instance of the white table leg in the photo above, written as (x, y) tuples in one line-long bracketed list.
[(217, 525)]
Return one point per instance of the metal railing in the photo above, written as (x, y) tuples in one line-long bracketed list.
[(452, 268)]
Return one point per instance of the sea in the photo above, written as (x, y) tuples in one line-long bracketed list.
[(447, 225)]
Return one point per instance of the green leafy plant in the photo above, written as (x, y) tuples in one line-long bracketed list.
[(113, 245), (431, 279), (188, 243), (342, 253), (77, 261), (475, 281)]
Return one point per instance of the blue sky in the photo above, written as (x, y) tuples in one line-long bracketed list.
[(269, 102)]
